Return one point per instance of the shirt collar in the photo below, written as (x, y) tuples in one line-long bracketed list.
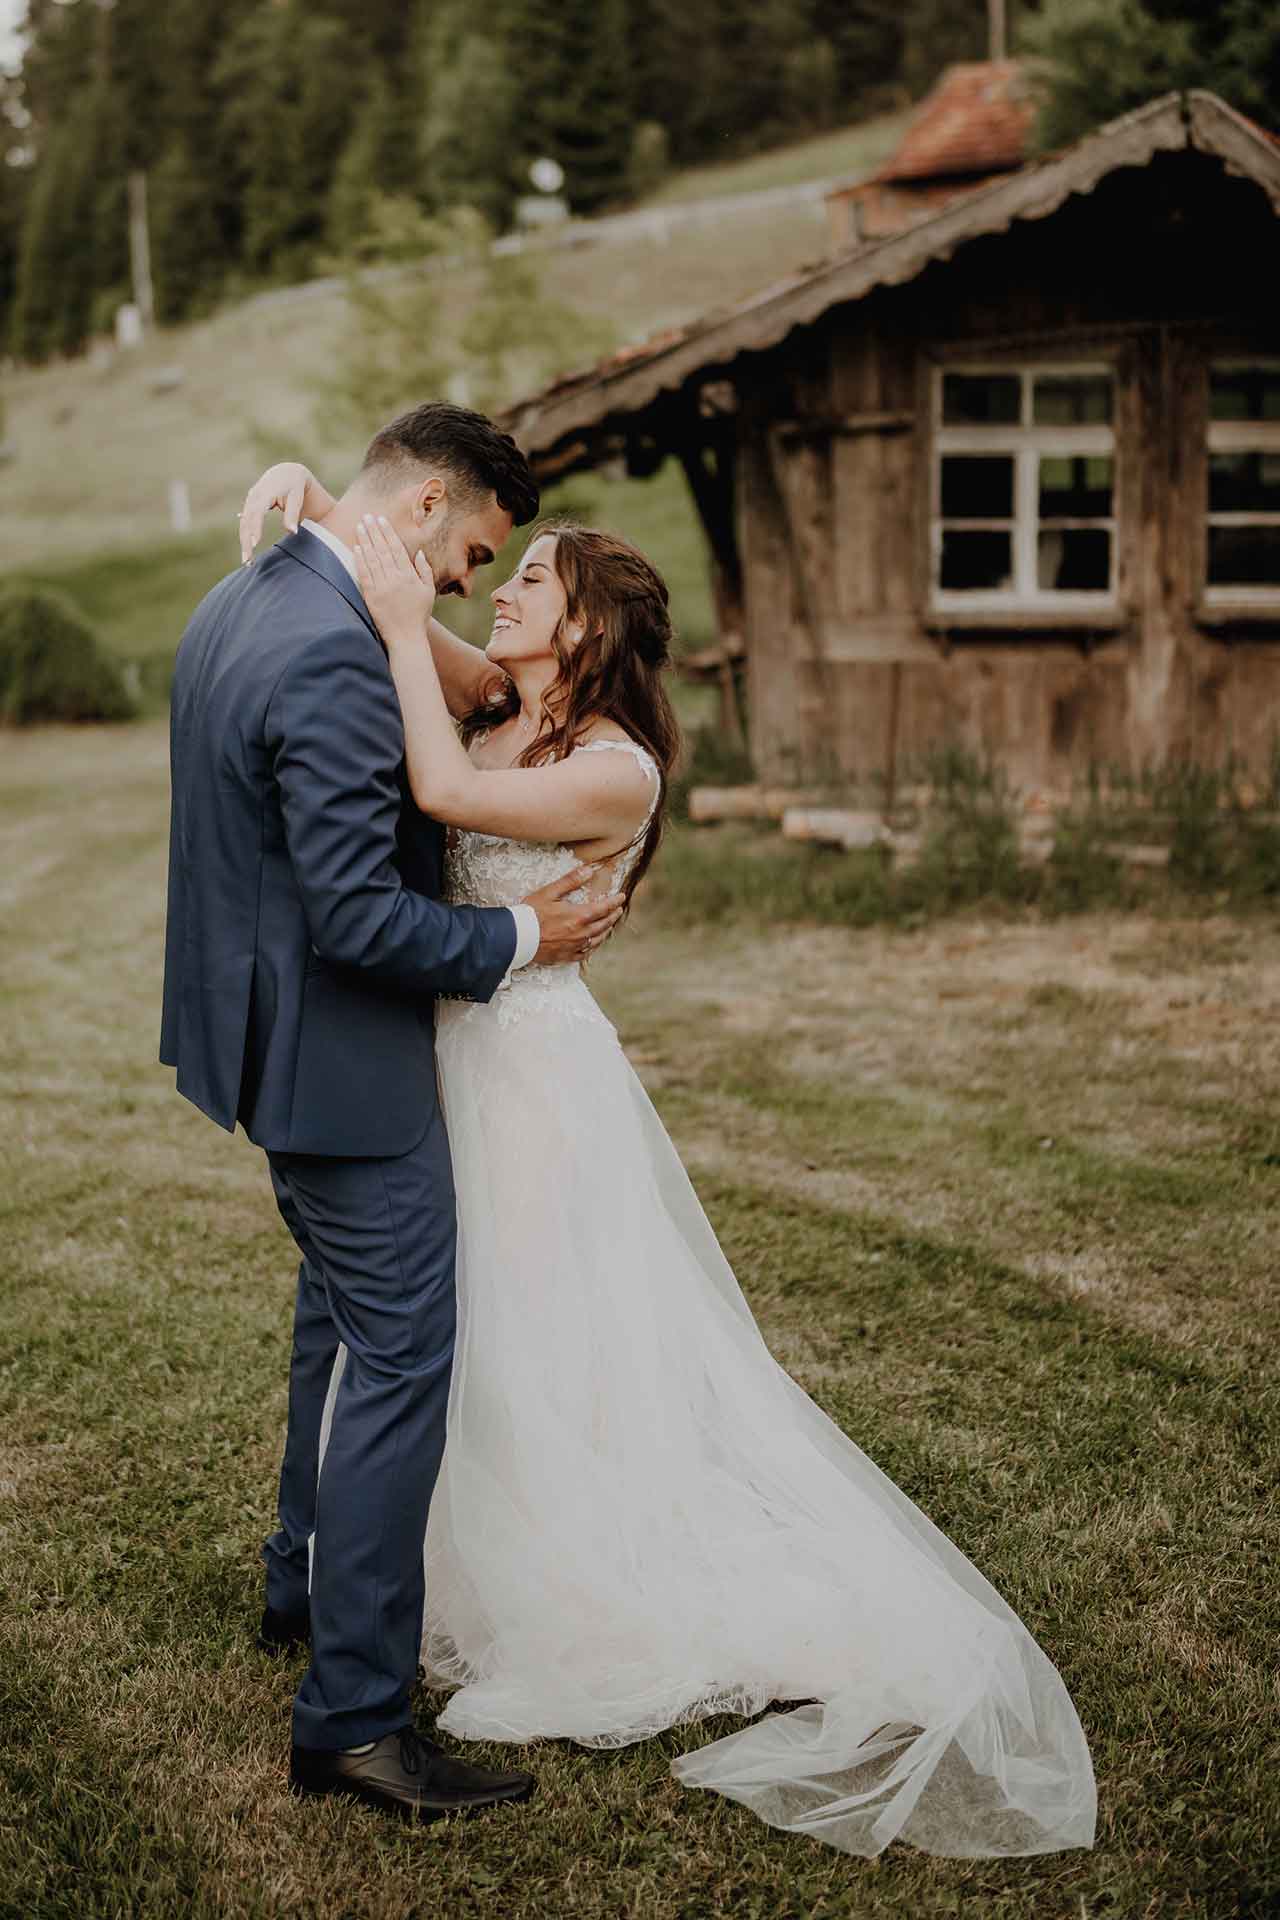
[(337, 547)]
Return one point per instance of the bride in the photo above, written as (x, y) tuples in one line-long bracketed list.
[(642, 1520)]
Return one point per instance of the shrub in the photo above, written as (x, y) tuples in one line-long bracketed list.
[(970, 848), (52, 666), (710, 759), (1221, 829)]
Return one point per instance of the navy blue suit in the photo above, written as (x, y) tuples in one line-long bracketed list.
[(302, 953)]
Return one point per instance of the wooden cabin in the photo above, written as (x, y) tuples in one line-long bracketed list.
[(1007, 479)]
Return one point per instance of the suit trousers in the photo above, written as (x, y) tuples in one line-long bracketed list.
[(378, 1243)]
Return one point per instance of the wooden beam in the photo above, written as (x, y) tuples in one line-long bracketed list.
[(712, 489), (713, 497), (806, 589), (845, 423), (877, 637)]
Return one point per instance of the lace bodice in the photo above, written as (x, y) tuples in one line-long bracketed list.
[(490, 870)]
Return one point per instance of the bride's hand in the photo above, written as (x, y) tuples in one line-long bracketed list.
[(285, 486), (399, 592)]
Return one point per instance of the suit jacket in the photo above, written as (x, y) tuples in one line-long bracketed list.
[(304, 941)]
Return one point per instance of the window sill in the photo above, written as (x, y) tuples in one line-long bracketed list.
[(1072, 618), (1239, 613)]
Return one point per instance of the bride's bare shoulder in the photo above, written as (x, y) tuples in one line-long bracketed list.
[(602, 730)]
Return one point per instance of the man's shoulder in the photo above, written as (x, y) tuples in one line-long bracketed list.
[(273, 619), (295, 603)]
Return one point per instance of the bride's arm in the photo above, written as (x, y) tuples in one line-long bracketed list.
[(468, 679), (588, 797)]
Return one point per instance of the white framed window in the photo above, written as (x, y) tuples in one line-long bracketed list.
[(1024, 473), (1243, 505)]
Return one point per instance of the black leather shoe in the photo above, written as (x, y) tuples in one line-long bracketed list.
[(283, 1632), (406, 1774)]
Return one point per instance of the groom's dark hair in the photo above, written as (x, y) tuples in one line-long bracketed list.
[(465, 444)]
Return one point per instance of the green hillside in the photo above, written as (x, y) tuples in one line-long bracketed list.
[(97, 441)]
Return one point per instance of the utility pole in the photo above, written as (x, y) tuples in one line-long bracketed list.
[(997, 30), (140, 250)]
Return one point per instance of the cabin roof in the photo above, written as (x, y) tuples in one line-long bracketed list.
[(630, 380), (976, 120)]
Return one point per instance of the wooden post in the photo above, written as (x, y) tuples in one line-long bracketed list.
[(140, 250), (713, 496), (892, 718), (998, 36)]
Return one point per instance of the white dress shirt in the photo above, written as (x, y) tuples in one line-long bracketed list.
[(528, 930)]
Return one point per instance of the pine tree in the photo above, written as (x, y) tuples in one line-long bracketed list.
[(866, 37), (935, 34), (367, 169), (1247, 66), (574, 94), (54, 295), (590, 120), (472, 139), (287, 78), (185, 246), (14, 181), (673, 62), (1099, 58)]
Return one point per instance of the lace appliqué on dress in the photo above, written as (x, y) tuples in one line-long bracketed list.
[(490, 870)]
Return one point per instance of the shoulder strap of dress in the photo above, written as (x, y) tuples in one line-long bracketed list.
[(638, 753)]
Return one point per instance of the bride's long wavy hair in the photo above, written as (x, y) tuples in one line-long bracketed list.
[(617, 670)]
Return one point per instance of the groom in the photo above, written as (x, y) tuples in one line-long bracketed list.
[(305, 943)]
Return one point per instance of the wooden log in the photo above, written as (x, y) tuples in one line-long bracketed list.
[(824, 425), (1143, 856), (833, 827), (707, 805)]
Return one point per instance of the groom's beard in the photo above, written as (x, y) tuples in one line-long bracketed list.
[(435, 550)]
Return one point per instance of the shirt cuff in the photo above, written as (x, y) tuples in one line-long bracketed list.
[(528, 939)]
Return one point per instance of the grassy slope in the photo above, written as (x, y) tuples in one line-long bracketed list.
[(828, 156), (84, 506), (140, 598), (97, 445), (1004, 1199)]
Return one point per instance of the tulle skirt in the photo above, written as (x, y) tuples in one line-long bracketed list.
[(642, 1520)]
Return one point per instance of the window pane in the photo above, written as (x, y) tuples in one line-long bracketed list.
[(975, 562), (1244, 482), (1072, 400), (1244, 393), (977, 487), (1075, 487), (1244, 556), (1074, 560), (981, 399)]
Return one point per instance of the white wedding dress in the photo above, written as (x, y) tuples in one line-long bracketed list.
[(642, 1520)]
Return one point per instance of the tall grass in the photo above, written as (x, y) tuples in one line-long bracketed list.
[(1219, 830)]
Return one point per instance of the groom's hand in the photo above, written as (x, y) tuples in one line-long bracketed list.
[(571, 932)]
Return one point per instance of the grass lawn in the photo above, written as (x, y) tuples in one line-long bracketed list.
[(1004, 1196)]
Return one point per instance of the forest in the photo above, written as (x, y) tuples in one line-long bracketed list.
[(279, 137)]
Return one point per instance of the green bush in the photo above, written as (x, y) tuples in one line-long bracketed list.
[(51, 665)]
